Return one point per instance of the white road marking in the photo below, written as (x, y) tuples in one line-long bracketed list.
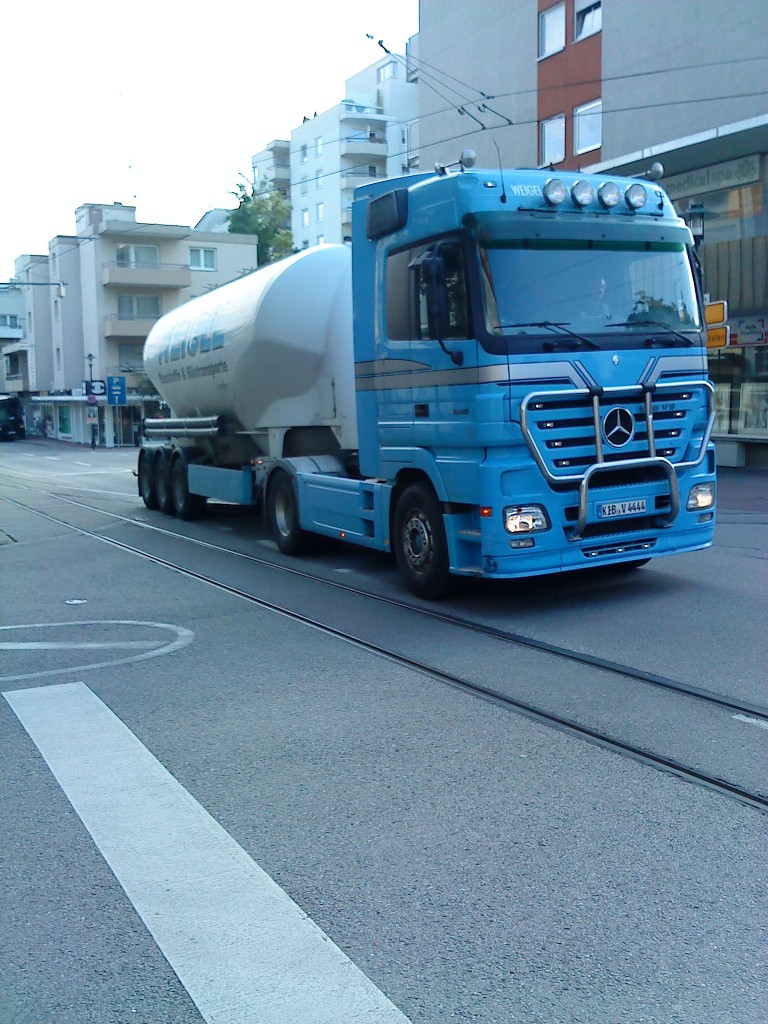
[(243, 950), (150, 648), (88, 645), (751, 721)]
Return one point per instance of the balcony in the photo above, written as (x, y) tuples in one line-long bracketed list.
[(11, 333), (359, 112), (354, 179), (365, 144), (162, 275), (116, 326)]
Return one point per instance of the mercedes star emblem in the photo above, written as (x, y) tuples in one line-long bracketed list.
[(618, 427)]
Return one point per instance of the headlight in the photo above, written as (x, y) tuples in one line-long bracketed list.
[(555, 191), (582, 193), (525, 519), (635, 197), (701, 496)]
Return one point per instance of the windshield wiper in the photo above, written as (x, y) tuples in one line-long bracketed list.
[(655, 323), (551, 325)]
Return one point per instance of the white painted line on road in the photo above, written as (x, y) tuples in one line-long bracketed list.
[(751, 721), (243, 950), (86, 464), (88, 645)]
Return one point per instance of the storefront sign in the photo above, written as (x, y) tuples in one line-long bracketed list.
[(730, 174)]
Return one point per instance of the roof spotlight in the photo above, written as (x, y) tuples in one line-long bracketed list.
[(555, 191), (582, 193), (609, 194), (635, 196)]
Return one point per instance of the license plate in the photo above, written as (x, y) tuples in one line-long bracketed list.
[(616, 509)]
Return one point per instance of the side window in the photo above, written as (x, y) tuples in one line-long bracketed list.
[(406, 289)]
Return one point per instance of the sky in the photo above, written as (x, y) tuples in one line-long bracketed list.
[(160, 105)]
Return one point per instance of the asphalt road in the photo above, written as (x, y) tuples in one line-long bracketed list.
[(212, 812)]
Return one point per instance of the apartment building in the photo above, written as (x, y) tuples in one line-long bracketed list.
[(371, 134), (613, 85), (106, 286)]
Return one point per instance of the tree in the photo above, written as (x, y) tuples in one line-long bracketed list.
[(264, 212)]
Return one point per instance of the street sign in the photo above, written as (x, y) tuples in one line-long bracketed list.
[(116, 390), (718, 337), (95, 387)]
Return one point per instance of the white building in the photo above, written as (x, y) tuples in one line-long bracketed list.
[(108, 284), (369, 135)]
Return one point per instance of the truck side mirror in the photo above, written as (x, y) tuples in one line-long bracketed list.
[(433, 276)]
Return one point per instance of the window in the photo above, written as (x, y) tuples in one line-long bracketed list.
[(588, 126), (138, 256), (129, 357), (304, 154), (552, 141), (552, 30), (386, 71), (407, 299), (305, 218), (319, 146), (304, 186), (320, 239), (138, 307), (318, 180), (588, 18), (320, 212), (202, 259), (9, 320), (371, 171)]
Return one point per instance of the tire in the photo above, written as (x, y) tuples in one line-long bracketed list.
[(161, 478), (283, 515), (146, 481), (185, 505), (421, 548)]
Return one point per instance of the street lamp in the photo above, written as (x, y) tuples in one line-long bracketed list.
[(91, 398)]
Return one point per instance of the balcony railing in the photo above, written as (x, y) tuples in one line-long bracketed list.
[(159, 275), (117, 325)]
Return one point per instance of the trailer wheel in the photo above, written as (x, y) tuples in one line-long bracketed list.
[(421, 548), (161, 478), (283, 515), (146, 482), (185, 505)]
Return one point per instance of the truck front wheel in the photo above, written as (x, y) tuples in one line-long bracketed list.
[(146, 481), (283, 515), (421, 548)]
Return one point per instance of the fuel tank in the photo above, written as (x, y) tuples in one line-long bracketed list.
[(271, 350)]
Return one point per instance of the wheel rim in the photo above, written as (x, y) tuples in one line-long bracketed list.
[(283, 511), (417, 542)]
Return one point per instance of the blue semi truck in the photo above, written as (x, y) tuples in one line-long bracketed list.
[(504, 375)]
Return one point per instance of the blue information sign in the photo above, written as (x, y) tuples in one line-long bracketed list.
[(116, 391)]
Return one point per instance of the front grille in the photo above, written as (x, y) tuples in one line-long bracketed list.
[(566, 430)]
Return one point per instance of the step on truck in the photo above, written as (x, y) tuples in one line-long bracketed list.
[(504, 375)]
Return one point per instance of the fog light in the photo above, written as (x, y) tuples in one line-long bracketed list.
[(701, 496), (582, 193), (523, 542), (609, 194), (635, 197), (555, 191), (525, 519)]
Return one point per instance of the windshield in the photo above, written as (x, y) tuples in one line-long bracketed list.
[(591, 288)]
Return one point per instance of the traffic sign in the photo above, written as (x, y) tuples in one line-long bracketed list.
[(94, 387), (116, 390)]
